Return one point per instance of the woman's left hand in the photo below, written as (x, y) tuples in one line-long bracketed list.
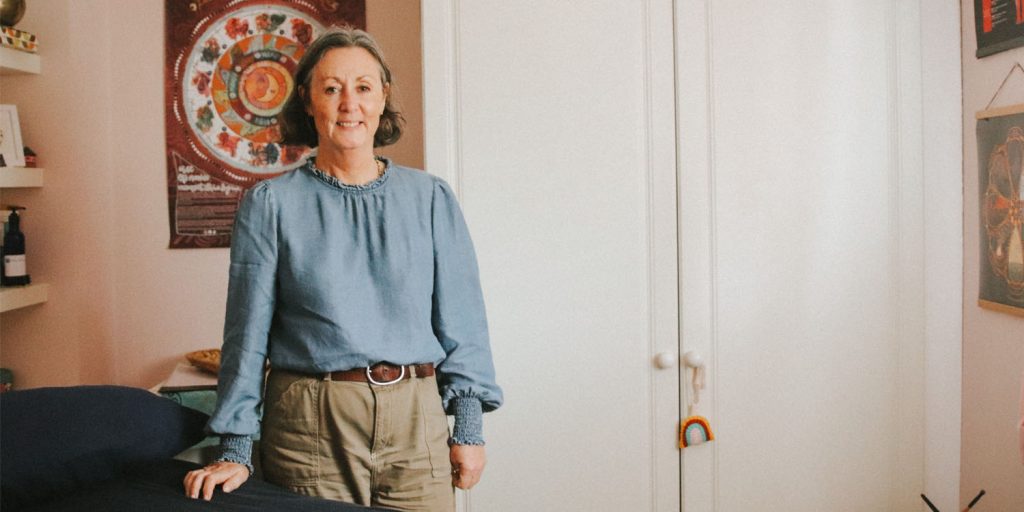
[(467, 465)]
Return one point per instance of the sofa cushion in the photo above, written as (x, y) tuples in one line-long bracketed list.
[(54, 441)]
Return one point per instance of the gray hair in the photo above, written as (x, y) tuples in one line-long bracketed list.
[(297, 126)]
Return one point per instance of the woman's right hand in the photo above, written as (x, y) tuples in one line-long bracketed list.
[(229, 475)]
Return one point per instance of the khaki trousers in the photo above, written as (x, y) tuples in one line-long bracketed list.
[(372, 445)]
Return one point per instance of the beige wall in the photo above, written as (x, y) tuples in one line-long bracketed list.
[(398, 30), (993, 349), (123, 308)]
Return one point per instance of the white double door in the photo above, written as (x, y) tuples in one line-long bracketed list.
[(647, 176)]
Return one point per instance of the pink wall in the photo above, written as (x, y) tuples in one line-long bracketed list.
[(123, 308), (993, 346)]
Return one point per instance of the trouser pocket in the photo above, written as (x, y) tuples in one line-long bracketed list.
[(435, 430), (289, 441)]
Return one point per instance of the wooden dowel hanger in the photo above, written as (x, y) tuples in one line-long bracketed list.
[(989, 112)]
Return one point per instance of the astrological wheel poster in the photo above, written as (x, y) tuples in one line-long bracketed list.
[(228, 72), (1001, 189)]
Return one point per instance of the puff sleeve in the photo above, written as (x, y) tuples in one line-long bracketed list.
[(250, 309), (466, 377)]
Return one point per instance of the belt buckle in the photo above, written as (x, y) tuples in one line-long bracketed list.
[(369, 377)]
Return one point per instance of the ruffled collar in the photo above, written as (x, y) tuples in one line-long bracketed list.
[(335, 182)]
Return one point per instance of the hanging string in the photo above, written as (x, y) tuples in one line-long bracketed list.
[(1016, 66), (697, 386)]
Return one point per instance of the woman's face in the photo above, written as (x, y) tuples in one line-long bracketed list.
[(346, 98)]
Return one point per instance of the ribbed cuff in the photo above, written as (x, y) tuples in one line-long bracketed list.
[(237, 449), (469, 421)]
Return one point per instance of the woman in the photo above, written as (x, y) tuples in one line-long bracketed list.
[(357, 278)]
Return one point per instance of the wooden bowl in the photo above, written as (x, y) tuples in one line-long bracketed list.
[(206, 360)]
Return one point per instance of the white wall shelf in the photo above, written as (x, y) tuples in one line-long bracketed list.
[(20, 177), (14, 62), (14, 297)]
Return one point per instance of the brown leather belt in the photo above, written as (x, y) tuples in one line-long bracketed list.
[(383, 373)]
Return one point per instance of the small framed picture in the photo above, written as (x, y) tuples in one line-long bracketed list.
[(999, 25), (12, 152)]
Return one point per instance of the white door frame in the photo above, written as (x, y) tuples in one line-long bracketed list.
[(942, 159)]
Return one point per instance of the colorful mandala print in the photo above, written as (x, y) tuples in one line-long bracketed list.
[(238, 76), (1003, 212)]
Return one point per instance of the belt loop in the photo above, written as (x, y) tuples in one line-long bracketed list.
[(326, 376)]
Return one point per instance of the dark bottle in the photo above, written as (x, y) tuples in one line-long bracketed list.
[(15, 271)]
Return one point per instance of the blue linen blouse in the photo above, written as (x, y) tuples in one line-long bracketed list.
[(326, 276)]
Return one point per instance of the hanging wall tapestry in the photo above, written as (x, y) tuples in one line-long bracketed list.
[(998, 25), (1001, 189), (227, 73)]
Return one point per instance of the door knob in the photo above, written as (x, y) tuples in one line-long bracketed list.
[(666, 360), (692, 359)]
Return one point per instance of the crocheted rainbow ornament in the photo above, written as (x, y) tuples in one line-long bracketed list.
[(695, 430)]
